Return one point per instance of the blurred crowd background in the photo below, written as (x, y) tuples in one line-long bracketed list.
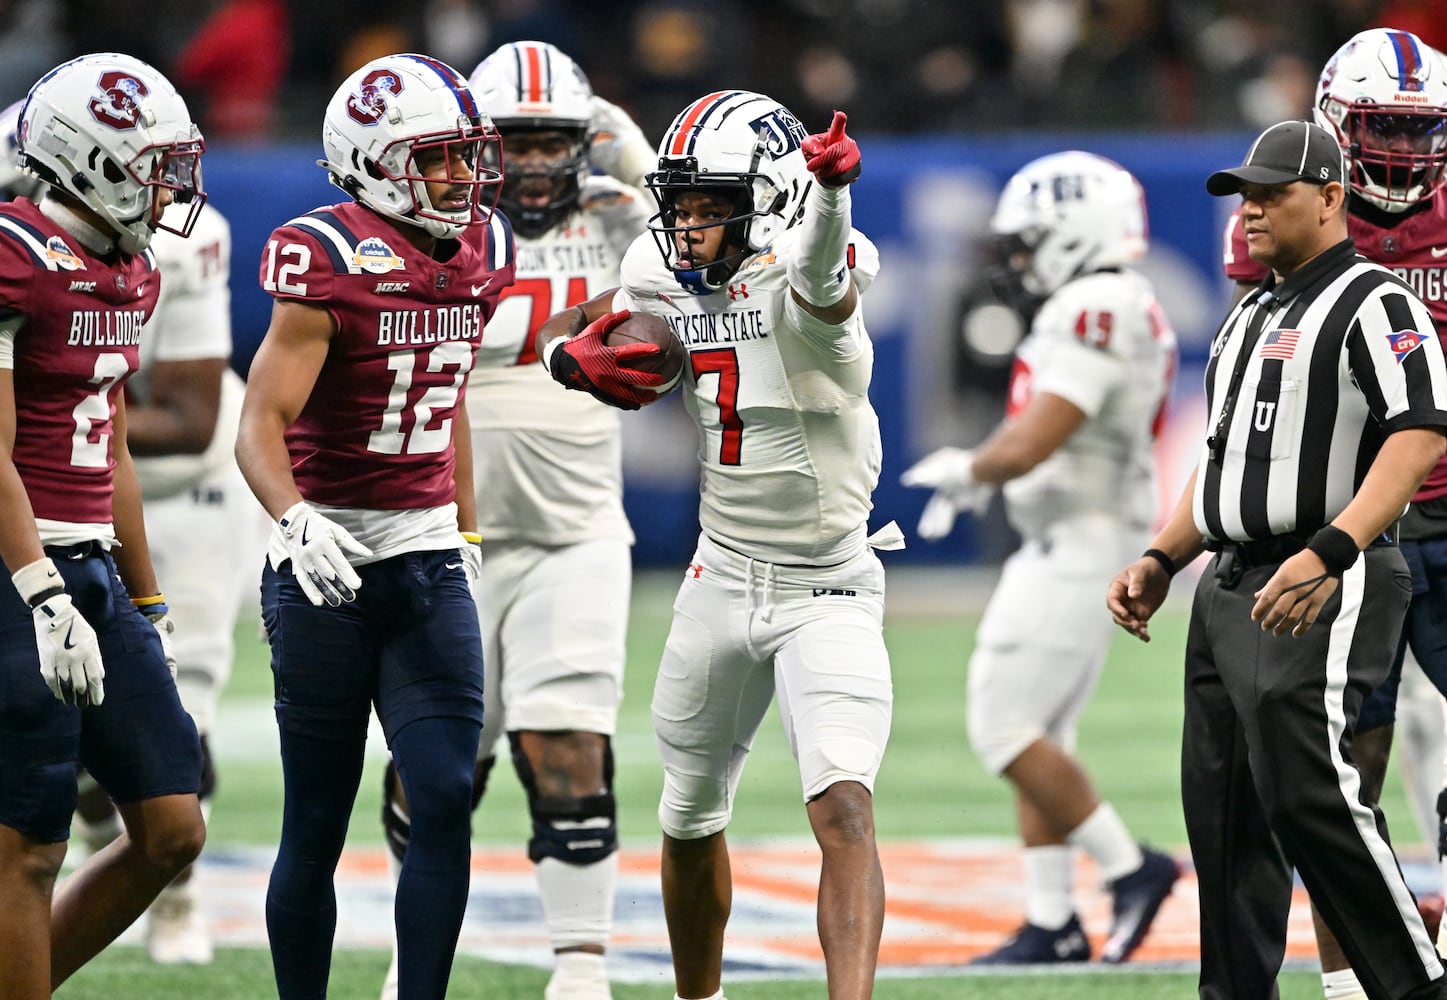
[(261, 70)]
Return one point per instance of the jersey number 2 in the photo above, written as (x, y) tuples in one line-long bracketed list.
[(95, 408)]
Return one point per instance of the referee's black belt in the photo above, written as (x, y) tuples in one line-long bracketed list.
[(1241, 556)]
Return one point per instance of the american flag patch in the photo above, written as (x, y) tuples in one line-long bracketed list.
[(1280, 344), (1404, 342)]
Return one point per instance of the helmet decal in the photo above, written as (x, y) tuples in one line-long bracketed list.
[(1409, 60), (119, 107), (369, 102)]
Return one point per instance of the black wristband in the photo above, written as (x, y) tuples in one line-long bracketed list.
[(40, 598), (1167, 563), (1335, 548)]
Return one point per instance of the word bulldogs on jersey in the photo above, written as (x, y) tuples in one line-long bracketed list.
[(413, 327), (105, 327), (1425, 281), (728, 327)]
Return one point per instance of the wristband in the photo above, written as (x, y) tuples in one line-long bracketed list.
[(38, 582), (146, 602), (471, 537), (1336, 549), (1167, 563), (550, 350)]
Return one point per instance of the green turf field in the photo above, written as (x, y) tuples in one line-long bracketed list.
[(930, 787)]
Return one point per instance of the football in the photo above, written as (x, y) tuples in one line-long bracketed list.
[(646, 328)]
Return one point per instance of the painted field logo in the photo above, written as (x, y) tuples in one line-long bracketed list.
[(1404, 342)]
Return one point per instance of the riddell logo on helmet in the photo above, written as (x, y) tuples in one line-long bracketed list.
[(368, 103), (120, 106)]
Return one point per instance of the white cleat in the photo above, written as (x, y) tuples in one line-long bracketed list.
[(579, 975), (176, 931)]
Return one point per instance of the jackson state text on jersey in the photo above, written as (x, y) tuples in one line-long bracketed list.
[(789, 443), (1415, 250), (376, 432), (80, 342)]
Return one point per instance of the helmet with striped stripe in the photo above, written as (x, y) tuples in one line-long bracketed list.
[(1384, 96), (741, 146), (534, 87), (387, 113)]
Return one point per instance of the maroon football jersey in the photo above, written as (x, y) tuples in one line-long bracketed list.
[(376, 432), (1415, 249), (80, 342)]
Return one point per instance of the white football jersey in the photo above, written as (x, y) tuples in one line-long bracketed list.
[(548, 462), (789, 443), (192, 321), (1103, 343)]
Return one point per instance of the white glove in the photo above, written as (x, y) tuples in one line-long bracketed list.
[(314, 544), (160, 616), (69, 652), (619, 148), (950, 472), (471, 550)]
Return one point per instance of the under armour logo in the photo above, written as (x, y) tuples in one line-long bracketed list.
[(697, 569), (739, 291)]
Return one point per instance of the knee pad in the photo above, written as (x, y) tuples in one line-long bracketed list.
[(396, 823), (578, 831)]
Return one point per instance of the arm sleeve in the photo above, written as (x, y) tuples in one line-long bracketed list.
[(819, 269)]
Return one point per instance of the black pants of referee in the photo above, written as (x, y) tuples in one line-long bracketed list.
[(1267, 780)]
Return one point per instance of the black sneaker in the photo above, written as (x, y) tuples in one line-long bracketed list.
[(1035, 945), (1138, 898)]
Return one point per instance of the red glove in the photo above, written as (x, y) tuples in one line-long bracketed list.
[(832, 157), (585, 362)]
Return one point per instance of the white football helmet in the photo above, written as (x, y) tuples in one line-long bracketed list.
[(113, 133), (15, 181), (1384, 96), (389, 111), (745, 147), (1062, 216), (533, 86)]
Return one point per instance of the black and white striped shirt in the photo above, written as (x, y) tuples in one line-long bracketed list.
[(1306, 379)]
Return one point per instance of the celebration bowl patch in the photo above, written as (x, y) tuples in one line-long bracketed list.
[(374, 255)]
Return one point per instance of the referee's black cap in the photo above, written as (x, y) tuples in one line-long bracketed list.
[(1287, 151)]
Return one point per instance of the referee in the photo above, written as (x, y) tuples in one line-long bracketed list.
[(1329, 401)]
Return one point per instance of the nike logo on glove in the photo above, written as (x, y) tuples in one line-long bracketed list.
[(69, 634)]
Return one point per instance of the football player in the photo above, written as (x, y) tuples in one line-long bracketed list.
[(547, 469), (84, 630), (1074, 457), (753, 260), (1383, 94), (354, 437), (182, 407)]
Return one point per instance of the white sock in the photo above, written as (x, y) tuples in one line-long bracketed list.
[(1048, 875), (1104, 837), (577, 900), (1342, 985)]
